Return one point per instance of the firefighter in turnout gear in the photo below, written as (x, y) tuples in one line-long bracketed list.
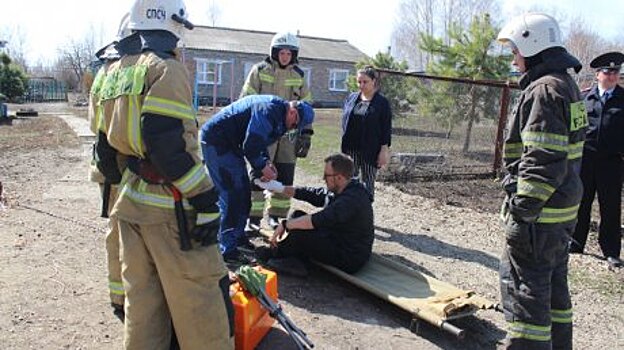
[(543, 148), (279, 75), (168, 217), (108, 187)]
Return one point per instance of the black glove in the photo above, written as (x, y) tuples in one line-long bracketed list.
[(208, 218), (105, 158), (303, 143), (206, 228)]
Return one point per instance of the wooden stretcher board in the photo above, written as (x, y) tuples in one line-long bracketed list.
[(425, 297)]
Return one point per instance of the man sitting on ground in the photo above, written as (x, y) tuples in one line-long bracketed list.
[(340, 235)]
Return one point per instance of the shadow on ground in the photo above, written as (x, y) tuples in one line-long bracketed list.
[(434, 247)]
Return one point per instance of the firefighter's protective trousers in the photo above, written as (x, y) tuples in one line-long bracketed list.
[(115, 286), (534, 286), (282, 155), (165, 284), (229, 174)]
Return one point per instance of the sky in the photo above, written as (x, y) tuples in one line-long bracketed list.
[(367, 24)]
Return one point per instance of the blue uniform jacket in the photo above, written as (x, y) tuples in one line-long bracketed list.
[(606, 122), (247, 127)]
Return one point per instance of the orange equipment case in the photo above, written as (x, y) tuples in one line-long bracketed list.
[(251, 321)]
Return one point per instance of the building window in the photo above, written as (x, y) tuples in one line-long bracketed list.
[(307, 73), (208, 72), (338, 79)]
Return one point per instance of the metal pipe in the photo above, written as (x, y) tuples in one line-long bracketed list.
[(482, 82), (502, 120)]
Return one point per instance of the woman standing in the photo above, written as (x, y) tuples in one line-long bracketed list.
[(366, 127)]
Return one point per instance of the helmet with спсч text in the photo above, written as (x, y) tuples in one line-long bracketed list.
[(532, 33), (169, 15), (287, 41)]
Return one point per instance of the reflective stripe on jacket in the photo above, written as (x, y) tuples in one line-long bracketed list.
[(141, 86), (267, 78), (543, 149)]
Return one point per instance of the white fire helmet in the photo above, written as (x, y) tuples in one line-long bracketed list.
[(169, 15), (532, 33), (284, 41), (123, 30)]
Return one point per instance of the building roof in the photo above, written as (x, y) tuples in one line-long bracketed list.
[(258, 42)]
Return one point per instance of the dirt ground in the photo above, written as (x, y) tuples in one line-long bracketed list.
[(53, 271)]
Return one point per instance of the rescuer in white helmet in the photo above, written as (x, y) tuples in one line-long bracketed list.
[(542, 153), (166, 208)]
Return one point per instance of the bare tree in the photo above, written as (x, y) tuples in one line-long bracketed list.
[(214, 12), (16, 45), (75, 56), (584, 44), (430, 17)]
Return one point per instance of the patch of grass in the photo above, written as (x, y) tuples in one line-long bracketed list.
[(325, 141)]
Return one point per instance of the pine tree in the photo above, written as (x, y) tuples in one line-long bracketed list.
[(13, 81), (468, 55), (393, 87)]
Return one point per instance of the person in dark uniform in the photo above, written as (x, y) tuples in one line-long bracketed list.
[(601, 169)]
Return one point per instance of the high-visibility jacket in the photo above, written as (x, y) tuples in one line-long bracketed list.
[(96, 122), (543, 150), (267, 78), (154, 120)]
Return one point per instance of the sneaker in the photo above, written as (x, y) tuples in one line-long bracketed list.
[(118, 311), (253, 224), (614, 263), (274, 222), (288, 266)]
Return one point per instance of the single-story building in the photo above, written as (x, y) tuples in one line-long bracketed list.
[(219, 60)]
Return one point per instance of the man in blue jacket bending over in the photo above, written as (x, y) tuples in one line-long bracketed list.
[(240, 131)]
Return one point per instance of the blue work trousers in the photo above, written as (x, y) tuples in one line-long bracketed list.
[(229, 174)]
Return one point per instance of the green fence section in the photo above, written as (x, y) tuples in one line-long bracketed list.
[(45, 90)]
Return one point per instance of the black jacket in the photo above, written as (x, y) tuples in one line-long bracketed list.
[(605, 134), (544, 143), (347, 216), (377, 126)]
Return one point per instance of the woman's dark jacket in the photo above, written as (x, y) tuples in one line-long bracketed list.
[(377, 127)]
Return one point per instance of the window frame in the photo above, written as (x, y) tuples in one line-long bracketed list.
[(332, 81), (217, 72)]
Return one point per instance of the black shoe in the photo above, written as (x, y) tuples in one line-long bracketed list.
[(614, 263), (245, 246), (288, 266), (253, 224), (575, 248), (118, 311), (263, 254), (236, 259)]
